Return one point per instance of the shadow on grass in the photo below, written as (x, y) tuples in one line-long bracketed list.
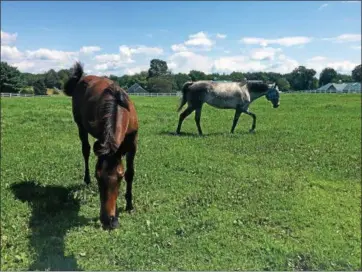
[(54, 212), (196, 135)]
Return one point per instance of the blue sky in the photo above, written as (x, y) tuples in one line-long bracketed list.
[(122, 37)]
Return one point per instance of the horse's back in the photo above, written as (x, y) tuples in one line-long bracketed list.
[(88, 98), (226, 95)]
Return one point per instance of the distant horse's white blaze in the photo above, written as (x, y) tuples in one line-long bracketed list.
[(224, 95)]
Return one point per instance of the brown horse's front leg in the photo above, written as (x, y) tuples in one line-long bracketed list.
[(129, 178), (83, 135)]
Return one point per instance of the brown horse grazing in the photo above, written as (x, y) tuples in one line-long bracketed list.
[(104, 110)]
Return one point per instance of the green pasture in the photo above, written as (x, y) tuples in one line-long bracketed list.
[(285, 198)]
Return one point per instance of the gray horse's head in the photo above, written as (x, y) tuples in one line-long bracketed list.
[(273, 96)]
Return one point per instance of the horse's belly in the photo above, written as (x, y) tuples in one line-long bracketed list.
[(221, 102)]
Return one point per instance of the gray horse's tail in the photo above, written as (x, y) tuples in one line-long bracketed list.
[(185, 89)]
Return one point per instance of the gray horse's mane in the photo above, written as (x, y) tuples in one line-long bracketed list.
[(257, 87)]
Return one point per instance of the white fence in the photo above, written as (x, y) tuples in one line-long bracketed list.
[(55, 95), (328, 91), (170, 94)]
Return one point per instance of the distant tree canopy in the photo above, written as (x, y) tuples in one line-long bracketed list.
[(356, 73), (10, 79), (158, 78)]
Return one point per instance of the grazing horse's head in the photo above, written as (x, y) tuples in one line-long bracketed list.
[(273, 96), (109, 173)]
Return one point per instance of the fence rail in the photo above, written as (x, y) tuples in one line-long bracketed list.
[(172, 94), (55, 95)]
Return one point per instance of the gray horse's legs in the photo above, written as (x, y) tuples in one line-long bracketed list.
[(197, 119), (183, 115), (236, 119), (254, 120)]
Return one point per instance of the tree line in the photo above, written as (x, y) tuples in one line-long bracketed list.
[(160, 79)]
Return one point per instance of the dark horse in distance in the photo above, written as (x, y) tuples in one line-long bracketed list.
[(104, 110)]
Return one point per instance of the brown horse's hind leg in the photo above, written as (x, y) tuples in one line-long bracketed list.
[(130, 174), (183, 115), (83, 135)]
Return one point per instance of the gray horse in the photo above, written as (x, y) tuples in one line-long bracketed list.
[(224, 95)]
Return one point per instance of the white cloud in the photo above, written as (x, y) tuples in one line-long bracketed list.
[(107, 57), (318, 63), (48, 54), (186, 61), (273, 61), (135, 70), (286, 41), (179, 47), (109, 66), (317, 58), (145, 50), (153, 51), (8, 38), (323, 6), (199, 39), (89, 49), (264, 53), (220, 36), (10, 53), (345, 38), (237, 64), (24, 65), (196, 42), (357, 47), (111, 62)]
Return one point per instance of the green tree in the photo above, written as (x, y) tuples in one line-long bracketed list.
[(356, 73), (301, 78), (237, 76), (342, 78), (197, 75), (157, 68), (51, 79), (39, 87), (283, 84), (315, 83), (327, 75), (160, 85), (63, 76), (180, 79), (11, 80)]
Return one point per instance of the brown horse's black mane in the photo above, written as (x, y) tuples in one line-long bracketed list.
[(112, 97), (257, 87)]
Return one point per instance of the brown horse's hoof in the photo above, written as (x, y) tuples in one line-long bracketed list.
[(252, 131), (131, 211)]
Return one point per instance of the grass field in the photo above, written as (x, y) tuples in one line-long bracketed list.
[(285, 198)]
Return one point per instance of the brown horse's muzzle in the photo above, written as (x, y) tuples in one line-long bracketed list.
[(109, 222)]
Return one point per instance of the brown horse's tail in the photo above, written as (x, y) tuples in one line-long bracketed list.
[(185, 89), (77, 74), (110, 100)]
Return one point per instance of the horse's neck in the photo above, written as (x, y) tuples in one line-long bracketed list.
[(254, 95)]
